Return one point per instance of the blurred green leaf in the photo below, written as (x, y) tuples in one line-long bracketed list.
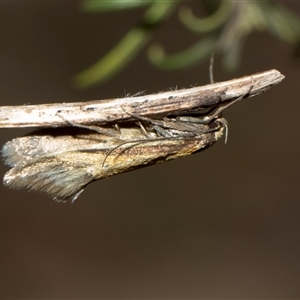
[(282, 23), (180, 60), (114, 61), (206, 24), (223, 32), (96, 6), (127, 48)]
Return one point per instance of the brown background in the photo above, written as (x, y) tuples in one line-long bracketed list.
[(220, 224)]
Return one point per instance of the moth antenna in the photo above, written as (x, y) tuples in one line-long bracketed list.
[(211, 69), (122, 144)]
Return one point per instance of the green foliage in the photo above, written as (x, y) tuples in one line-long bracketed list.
[(222, 31), (93, 6)]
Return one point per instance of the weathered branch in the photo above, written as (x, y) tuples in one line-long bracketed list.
[(120, 109)]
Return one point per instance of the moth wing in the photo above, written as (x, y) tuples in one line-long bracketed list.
[(51, 175), (55, 164)]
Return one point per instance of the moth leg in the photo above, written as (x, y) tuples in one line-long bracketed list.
[(139, 93), (149, 120), (145, 132), (162, 131), (157, 125), (207, 118), (117, 127), (220, 108), (100, 130), (210, 117)]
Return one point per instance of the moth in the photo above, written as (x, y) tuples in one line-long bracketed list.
[(127, 135), (62, 161)]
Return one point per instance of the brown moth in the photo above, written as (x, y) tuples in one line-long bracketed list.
[(62, 161)]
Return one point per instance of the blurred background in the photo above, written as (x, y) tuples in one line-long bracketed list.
[(223, 223)]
